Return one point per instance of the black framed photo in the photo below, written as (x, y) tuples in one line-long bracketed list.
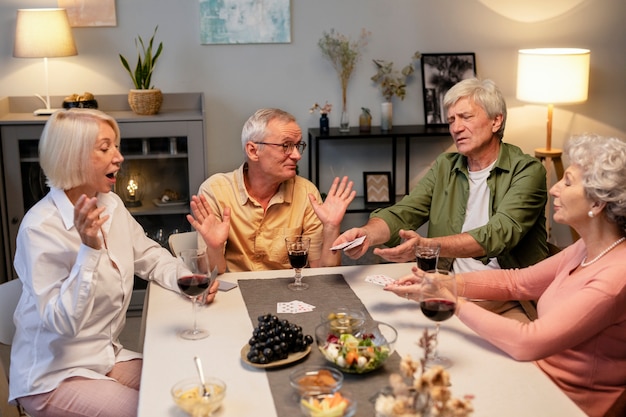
[(439, 73), (378, 189)]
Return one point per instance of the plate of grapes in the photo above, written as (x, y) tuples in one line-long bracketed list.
[(275, 342)]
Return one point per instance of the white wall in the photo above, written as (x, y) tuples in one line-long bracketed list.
[(238, 79)]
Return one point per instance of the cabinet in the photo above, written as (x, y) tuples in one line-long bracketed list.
[(362, 139), (162, 152)]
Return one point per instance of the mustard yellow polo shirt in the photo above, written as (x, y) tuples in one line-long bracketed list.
[(256, 238)]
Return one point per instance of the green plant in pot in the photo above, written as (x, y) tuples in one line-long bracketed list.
[(144, 98)]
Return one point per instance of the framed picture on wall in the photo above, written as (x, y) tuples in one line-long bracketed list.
[(439, 73), (378, 189), (87, 13)]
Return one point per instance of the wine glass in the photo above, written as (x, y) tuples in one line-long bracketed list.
[(438, 302), (194, 279), (298, 252), (427, 254)]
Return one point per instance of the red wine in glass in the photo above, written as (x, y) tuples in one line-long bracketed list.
[(298, 253), (438, 303), (193, 285), (298, 259), (194, 277), (426, 262), (437, 309)]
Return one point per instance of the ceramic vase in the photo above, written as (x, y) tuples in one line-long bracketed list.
[(386, 115)]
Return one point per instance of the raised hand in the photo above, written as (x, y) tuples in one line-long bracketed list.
[(213, 230), (334, 207), (88, 220)]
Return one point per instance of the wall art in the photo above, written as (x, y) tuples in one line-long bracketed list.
[(86, 13), (245, 21), (439, 73)]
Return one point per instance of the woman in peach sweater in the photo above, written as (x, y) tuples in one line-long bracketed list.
[(579, 337)]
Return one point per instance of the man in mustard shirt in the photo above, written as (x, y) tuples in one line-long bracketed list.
[(243, 216), (485, 204)]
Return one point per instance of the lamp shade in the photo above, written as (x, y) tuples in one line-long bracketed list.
[(43, 33), (553, 75)]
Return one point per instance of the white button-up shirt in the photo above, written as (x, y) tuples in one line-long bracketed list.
[(74, 300)]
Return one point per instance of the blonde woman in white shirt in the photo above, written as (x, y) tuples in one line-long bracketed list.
[(78, 250)]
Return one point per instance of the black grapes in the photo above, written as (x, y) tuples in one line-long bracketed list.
[(274, 339)]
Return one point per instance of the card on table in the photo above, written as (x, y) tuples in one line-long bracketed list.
[(294, 307), (379, 279)]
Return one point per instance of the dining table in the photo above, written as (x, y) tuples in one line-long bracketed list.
[(498, 384)]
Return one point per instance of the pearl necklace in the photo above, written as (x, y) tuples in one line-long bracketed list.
[(584, 262)]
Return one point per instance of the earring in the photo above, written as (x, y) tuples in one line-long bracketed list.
[(590, 214)]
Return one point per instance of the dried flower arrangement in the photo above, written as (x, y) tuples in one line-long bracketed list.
[(343, 53), (420, 392), (325, 109), (391, 82)]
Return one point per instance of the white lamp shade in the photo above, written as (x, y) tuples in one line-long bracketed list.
[(553, 75), (43, 33)]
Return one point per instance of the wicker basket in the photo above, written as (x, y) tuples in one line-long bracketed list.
[(145, 102)]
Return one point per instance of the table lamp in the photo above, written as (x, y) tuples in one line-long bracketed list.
[(43, 33), (553, 76)]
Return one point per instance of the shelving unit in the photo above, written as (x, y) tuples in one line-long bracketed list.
[(405, 133), (166, 150)]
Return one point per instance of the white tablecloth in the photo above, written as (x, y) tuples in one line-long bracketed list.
[(501, 386)]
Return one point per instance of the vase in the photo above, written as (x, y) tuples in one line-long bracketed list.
[(386, 115), (344, 122), (145, 102), (324, 129)]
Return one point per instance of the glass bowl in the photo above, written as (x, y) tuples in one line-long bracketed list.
[(337, 404), (360, 352), (314, 380), (187, 395), (344, 320)]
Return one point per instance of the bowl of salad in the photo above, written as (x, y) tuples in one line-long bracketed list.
[(360, 352)]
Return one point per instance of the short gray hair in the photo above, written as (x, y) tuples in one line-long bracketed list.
[(66, 144), (254, 130), (485, 93), (603, 163)]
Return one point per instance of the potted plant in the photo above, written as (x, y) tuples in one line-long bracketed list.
[(144, 98), (343, 54), (392, 83)]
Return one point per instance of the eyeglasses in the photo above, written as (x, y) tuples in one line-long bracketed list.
[(288, 147)]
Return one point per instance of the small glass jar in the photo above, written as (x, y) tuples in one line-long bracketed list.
[(365, 120)]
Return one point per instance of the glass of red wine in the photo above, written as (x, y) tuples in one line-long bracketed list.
[(194, 278), (298, 252), (438, 302), (427, 254)]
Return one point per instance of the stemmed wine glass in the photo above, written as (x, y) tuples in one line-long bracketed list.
[(427, 254), (298, 252), (438, 302), (194, 278)]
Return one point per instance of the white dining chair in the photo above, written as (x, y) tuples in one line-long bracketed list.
[(10, 293), (184, 240)]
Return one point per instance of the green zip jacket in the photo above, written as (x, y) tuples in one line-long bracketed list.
[(516, 231)]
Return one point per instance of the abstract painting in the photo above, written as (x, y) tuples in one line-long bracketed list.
[(245, 21)]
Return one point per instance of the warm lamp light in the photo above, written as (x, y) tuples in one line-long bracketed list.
[(553, 76), (43, 33)]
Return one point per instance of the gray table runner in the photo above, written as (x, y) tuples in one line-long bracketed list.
[(325, 292)]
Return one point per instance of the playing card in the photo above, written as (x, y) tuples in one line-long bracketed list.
[(294, 307), (349, 245), (379, 279), (286, 307)]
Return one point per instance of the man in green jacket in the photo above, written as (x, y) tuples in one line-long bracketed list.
[(485, 204)]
